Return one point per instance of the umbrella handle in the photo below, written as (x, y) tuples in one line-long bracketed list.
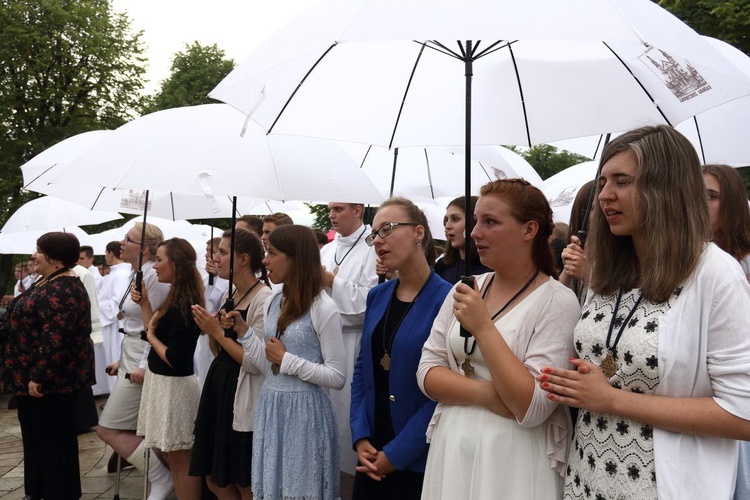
[(138, 281), (229, 305), (466, 280)]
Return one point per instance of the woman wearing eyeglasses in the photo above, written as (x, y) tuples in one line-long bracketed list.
[(389, 414)]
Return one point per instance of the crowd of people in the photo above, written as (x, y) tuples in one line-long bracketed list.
[(613, 365)]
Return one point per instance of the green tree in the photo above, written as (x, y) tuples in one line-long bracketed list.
[(66, 67), (727, 20), (548, 160), (195, 72)]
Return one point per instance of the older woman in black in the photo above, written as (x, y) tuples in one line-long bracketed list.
[(47, 357)]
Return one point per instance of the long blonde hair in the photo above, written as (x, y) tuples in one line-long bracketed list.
[(671, 197)]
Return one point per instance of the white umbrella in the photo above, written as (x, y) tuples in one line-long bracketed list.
[(430, 173), (53, 214), (25, 242), (204, 151), (719, 134), (404, 73), (54, 161), (561, 189), (390, 72)]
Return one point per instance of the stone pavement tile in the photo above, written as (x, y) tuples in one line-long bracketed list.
[(90, 441), (16, 494), (4, 469), (10, 483), (130, 488), (14, 472), (96, 485), (11, 447), (18, 455), (97, 471), (9, 462)]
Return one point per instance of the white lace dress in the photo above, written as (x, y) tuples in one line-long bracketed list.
[(613, 457)]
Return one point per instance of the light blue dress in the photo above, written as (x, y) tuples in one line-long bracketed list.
[(295, 438)]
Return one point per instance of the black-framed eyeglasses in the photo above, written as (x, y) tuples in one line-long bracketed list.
[(128, 240), (385, 230)]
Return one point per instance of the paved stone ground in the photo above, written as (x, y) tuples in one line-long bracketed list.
[(93, 457)]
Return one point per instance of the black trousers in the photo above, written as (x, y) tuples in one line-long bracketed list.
[(50, 446)]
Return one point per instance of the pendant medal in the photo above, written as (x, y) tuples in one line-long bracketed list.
[(385, 362), (608, 365), (274, 368), (467, 367), (120, 314), (336, 271)]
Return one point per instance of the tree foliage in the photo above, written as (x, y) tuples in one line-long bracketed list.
[(66, 67), (548, 160), (727, 20), (195, 72)]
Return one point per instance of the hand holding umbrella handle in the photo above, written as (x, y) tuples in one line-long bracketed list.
[(138, 281), (466, 280), (228, 306)]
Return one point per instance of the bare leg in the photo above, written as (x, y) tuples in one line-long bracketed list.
[(187, 487), (123, 442), (230, 492)]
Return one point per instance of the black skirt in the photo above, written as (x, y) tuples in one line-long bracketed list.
[(220, 451)]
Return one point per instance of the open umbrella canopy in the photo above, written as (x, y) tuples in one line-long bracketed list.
[(53, 214), (25, 242), (719, 134), (561, 189), (392, 73), (211, 150), (430, 173), (39, 172)]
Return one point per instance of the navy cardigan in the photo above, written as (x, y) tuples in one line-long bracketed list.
[(411, 410)]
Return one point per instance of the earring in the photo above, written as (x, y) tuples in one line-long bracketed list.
[(419, 245)]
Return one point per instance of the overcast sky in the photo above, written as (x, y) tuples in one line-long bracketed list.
[(236, 26)]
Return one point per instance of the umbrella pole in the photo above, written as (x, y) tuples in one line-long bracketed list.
[(467, 278), (229, 304), (393, 171), (583, 231), (211, 251), (139, 273)]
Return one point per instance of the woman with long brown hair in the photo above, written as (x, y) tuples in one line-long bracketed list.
[(728, 212), (295, 437), (171, 391), (222, 453), (662, 377)]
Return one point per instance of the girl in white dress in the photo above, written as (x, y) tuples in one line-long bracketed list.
[(494, 432)]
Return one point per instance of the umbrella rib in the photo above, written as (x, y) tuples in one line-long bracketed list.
[(97, 198), (364, 159), (429, 173), (439, 47), (484, 170), (171, 203), (639, 83), (492, 48), (520, 91), (406, 92), (38, 176), (300, 85), (700, 139)]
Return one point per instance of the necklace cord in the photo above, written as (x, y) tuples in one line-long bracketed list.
[(469, 352)]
